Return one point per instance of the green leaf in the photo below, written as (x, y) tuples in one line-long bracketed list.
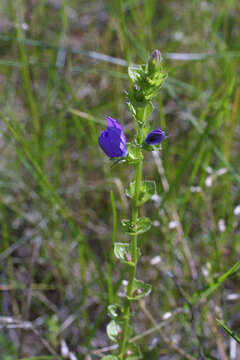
[(143, 224), (157, 79), (153, 84), (114, 311), (140, 289), (229, 331), (122, 252), (113, 331), (134, 154), (109, 357), (147, 190), (148, 78), (132, 109), (214, 285), (141, 110), (134, 72), (133, 352)]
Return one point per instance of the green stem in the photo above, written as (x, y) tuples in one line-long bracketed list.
[(126, 311), (111, 256)]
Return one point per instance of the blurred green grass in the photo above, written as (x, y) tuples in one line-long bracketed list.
[(56, 211)]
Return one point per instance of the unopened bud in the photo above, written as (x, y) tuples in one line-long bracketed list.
[(119, 331), (137, 292), (156, 57), (129, 352), (127, 257)]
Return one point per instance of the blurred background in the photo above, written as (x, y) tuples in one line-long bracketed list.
[(63, 69)]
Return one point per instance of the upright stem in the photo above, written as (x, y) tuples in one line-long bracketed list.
[(126, 311), (111, 255)]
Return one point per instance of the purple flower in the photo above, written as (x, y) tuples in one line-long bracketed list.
[(155, 137), (113, 140)]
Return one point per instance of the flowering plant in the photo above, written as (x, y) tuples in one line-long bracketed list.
[(147, 80)]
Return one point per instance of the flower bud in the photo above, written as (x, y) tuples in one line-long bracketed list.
[(129, 353), (128, 257), (156, 57), (155, 137), (137, 292)]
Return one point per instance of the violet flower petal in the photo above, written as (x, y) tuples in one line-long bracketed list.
[(114, 125), (113, 140)]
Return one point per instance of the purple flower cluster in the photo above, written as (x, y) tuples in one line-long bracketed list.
[(113, 140)]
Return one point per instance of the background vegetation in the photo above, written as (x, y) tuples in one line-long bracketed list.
[(63, 70)]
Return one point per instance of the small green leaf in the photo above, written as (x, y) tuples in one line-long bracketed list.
[(109, 357), (158, 78), (140, 289), (134, 154), (153, 84), (229, 331), (132, 109), (147, 190), (134, 72), (141, 110), (143, 224), (114, 311), (149, 78), (113, 330), (133, 352), (122, 252)]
